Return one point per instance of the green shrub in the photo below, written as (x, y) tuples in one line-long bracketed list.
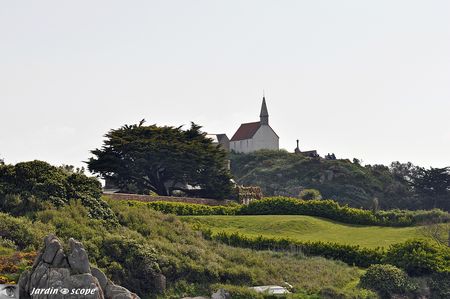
[(179, 208), (310, 194), (6, 243), (386, 280), (33, 186), (440, 285), (335, 293), (22, 231), (130, 263), (419, 257)]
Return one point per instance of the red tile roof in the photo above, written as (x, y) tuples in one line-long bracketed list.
[(246, 131)]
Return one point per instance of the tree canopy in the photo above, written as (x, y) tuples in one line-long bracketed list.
[(434, 185), (162, 159)]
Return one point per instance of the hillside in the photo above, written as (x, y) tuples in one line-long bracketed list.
[(307, 228), (283, 173), (192, 265)]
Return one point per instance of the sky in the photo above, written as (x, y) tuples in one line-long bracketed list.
[(364, 79)]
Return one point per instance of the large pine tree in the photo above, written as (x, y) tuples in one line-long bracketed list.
[(144, 159)]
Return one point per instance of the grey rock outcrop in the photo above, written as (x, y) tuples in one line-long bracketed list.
[(56, 274), (220, 294)]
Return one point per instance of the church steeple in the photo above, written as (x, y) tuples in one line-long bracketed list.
[(264, 115)]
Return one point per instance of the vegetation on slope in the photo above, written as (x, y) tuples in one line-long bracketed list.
[(192, 265), (33, 186), (402, 186)]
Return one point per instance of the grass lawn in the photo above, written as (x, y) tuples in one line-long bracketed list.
[(307, 228)]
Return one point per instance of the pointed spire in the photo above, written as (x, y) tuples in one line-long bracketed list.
[(264, 115)]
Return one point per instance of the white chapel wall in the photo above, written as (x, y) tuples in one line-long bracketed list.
[(265, 138), (242, 146)]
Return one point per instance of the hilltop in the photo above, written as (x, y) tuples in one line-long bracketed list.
[(283, 173)]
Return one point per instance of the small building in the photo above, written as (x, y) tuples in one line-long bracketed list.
[(311, 154), (220, 139), (255, 136)]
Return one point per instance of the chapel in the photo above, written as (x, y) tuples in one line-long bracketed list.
[(255, 136)]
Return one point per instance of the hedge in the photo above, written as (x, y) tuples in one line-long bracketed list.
[(292, 206), (350, 254), (416, 257)]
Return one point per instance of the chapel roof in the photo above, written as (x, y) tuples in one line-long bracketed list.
[(246, 131)]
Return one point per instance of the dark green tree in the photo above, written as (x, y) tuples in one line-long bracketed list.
[(434, 186), (144, 159)]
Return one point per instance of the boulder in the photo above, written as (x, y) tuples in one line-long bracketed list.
[(101, 277), (66, 274), (52, 246), (78, 258), (221, 294)]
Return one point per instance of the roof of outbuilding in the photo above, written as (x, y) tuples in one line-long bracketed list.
[(246, 131)]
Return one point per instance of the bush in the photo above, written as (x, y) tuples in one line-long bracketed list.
[(130, 263), (387, 280), (184, 209), (419, 257), (440, 285), (33, 186), (310, 194), (335, 293), (22, 231)]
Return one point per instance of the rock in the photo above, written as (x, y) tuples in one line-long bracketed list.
[(64, 274), (78, 259), (52, 246), (117, 292), (60, 259), (23, 284), (101, 277), (221, 294), (39, 276)]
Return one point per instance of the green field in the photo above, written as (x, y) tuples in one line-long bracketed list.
[(307, 228)]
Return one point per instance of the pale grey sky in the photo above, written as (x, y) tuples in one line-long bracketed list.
[(365, 79)]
